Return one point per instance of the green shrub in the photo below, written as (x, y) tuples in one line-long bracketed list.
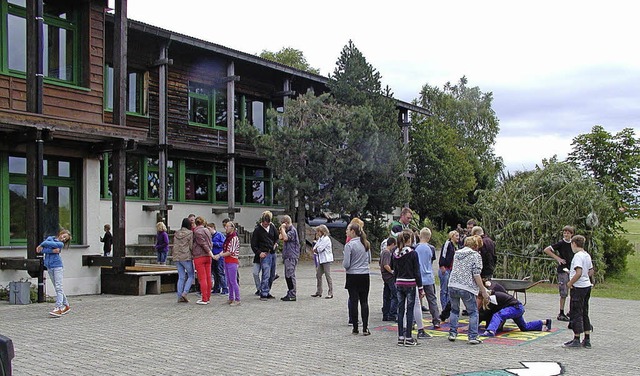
[(616, 250)]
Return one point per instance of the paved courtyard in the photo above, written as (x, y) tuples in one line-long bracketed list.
[(154, 335)]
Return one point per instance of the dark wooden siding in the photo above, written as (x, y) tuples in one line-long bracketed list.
[(78, 103)]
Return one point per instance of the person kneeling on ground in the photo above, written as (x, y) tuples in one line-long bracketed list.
[(507, 307)]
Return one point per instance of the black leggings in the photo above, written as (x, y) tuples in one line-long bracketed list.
[(361, 295)]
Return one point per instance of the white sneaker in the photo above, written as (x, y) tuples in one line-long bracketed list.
[(201, 302)]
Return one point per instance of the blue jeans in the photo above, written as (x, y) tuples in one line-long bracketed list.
[(389, 299), (406, 300), (186, 277), (444, 287), (56, 275), (219, 279), (266, 271), (256, 275), (162, 256), (469, 300), (272, 274)]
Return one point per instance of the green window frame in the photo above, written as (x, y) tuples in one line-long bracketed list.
[(191, 181), (151, 189), (254, 111), (62, 201), (136, 95), (256, 185), (61, 54), (207, 106), (133, 171)]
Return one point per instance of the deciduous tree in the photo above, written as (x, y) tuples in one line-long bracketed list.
[(468, 111), (291, 57), (614, 162)]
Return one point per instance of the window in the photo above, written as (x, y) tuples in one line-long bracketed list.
[(191, 181), (61, 199), (197, 181), (255, 114), (136, 91), (60, 39), (222, 184), (208, 106), (132, 171), (257, 186), (153, 179)]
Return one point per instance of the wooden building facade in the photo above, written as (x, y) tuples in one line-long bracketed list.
[(109, 120)]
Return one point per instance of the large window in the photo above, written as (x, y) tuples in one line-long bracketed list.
[(191, 181), (254, 113), (136, 93), (61, 198), (61, 39), (208, 106)]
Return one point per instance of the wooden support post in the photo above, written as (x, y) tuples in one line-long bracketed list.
[(120, 118), (118, 195), (231, 145), (35, 48), (162, 135), (120, 63), (35, 206)]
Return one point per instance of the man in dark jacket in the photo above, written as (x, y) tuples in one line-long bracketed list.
[(264, 241), (487, 252)]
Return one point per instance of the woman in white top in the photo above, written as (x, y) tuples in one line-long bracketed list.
[(324, 257)]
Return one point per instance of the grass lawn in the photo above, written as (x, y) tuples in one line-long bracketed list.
[(624, 286)]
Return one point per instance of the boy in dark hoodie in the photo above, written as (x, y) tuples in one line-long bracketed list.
[(406, 270)]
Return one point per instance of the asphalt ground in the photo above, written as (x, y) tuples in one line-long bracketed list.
[(155, 335)]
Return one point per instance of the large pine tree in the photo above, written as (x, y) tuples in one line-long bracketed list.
[(381, 180)]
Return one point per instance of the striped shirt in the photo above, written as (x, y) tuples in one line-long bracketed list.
[(231, 245)]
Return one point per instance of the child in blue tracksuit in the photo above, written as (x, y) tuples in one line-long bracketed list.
[(51, 248), (217, 265)]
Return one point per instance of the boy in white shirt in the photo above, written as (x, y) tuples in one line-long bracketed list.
[(580, 286)]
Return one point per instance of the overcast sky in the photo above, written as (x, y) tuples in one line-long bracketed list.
[(555, 68)]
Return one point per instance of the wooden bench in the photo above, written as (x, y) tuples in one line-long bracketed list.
[(139, 280)]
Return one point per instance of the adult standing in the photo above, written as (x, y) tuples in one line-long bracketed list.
[(357, 257), (162, 243), (403, 223), (230, 252), (202, 256), (181, 253), (465, 284), (324, 253), (487, 252), (290, 256), (264, 241)]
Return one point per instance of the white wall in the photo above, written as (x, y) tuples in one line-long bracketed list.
[(80, 280)]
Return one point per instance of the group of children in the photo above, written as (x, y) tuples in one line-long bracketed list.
[(407, 274)]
